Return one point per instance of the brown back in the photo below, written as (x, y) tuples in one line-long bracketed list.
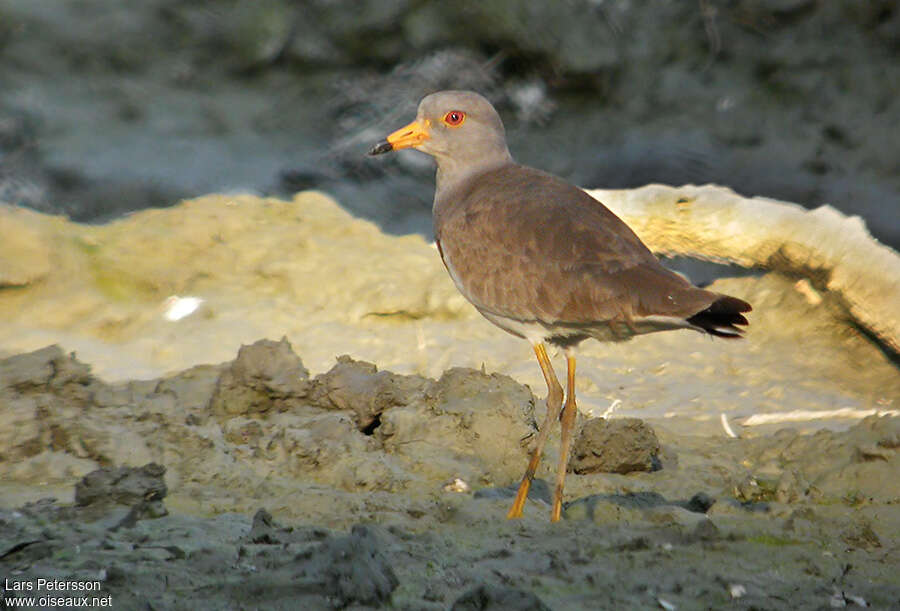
[(526, 245)]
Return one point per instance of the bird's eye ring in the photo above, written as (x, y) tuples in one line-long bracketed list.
[(454, 118)]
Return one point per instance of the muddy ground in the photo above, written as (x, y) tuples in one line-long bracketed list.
[(181, 470), (361, 488)]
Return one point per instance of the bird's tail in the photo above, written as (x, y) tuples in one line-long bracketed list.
[(721, 316)]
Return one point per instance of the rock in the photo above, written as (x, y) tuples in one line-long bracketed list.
[(266, 376), (122, 485), (699, 503), (144, 510), (621, 445), (491, 597), (264, 529)]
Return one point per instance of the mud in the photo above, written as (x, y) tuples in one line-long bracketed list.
[(253, 485), (615, 446)]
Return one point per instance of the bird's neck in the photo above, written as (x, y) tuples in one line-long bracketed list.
[(452, 172)]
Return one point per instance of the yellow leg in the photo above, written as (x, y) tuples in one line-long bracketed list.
[(554, 403), (567, 420)]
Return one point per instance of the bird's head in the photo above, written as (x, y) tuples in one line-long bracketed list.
[(455, 127)]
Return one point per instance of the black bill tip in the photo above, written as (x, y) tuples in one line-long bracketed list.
[(382, 147)]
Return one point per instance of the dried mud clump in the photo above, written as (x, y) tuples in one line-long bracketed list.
[(358, 386), (615, 446), (266, 376), (123, 485)]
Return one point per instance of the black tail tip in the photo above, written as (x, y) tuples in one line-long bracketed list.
[(720, 318)]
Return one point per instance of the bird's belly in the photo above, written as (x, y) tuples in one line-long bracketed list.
[(566, 335), (533, 331)]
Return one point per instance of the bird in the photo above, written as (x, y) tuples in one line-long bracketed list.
[(543, 260)]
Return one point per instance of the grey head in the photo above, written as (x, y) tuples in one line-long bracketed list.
[(460, 129)]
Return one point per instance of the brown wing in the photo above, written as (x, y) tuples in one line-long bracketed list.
[(526, 245)]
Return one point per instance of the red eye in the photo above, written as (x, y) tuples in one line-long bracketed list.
[(454, 118)]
